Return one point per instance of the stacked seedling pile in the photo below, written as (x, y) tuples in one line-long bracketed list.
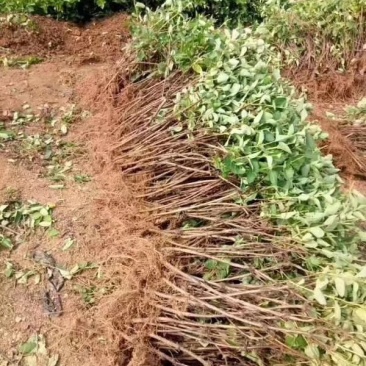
[(261, 254)]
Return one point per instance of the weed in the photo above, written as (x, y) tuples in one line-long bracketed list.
[(57, 173), (21, 62), (87, 294), (16, 215), (22, 276), (82, 178), (35, 352), (47, 145), (68, 244)]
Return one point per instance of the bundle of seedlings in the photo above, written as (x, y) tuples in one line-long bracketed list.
[(259, 251), (322, 42)]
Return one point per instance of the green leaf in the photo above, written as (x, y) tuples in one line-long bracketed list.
[(331, 221), (44, 211), (28, 348), (297, 342), (358, 350), (307, 237), (319, 297), (235, 89), (287, 215), (9, 270), (197, 68), (362, 273), (140, 5), (340, 286), (284, 147), (53, 233), (65, 274), (211, 264), (317, 231), (270, 161), (333, 209), (6, 243), (359, 315), (69, 243), (303, 197), (258, 118), (222, 78), (45, 224), (273, 177)]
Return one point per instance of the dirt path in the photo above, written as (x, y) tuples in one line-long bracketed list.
[(91, 224)]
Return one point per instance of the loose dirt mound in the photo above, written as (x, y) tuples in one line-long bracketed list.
[(45, 37)]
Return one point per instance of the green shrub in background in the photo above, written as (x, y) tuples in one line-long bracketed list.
[(68, 9), (233, 11), (316, 34), (230, 11)]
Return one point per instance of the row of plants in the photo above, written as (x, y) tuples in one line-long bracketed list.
[(76, 10), (221, 10), (271, 154), (319, 35)]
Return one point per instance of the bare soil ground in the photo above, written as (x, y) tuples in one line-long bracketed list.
[(99, 215)]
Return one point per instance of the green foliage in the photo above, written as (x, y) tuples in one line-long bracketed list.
[(70, 9), (269, 146), (328, 32), (182, 33), (170, 40), (232, 11)]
